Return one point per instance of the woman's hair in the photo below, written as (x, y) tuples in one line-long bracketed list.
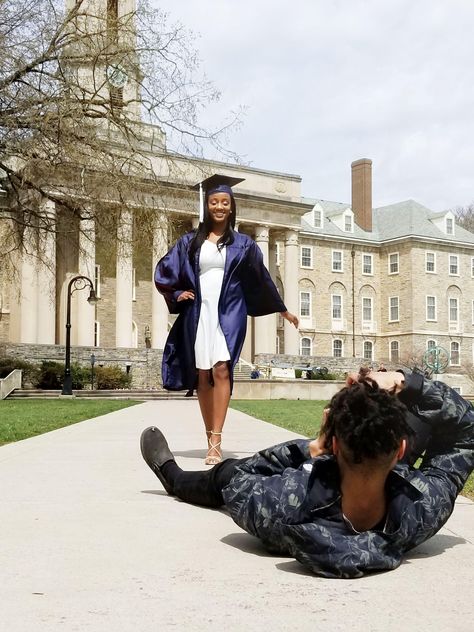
[(204, 229), (369, 421)]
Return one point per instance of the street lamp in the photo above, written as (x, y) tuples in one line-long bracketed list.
[(92, 370), (76, 283)]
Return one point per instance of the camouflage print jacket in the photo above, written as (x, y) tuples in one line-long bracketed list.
[(292, 502)]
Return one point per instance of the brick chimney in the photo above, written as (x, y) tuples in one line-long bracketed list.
[(362, 193)]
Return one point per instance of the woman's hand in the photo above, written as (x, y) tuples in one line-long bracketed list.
[(187, 295), (291, 318)]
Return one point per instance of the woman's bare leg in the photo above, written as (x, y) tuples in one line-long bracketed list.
[(221, 397), (206, 399)]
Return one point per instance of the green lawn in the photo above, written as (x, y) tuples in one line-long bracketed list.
[(22, 419), (301, 416)]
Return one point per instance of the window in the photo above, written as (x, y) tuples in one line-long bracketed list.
[(393, 267), (306, 257), (337, 348), (394, 351), (431, 308), (337, 261), (367, 309), (317, 218), (277, 253), (455, 348), (348, 223), (305, 346), (368, 350), (393, 306), (454, 265), (430, 262), (430, 344), (277, 347), (134, 284), (96, 333), (472, 266), (367, 264), (305, 304), (97, 280), (472, 313), (458, 389), (336, 306), (453, 310), (449, 226)]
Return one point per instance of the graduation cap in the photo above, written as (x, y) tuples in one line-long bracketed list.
[(214, 184)]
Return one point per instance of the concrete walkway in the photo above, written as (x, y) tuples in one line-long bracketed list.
[(90, 542)]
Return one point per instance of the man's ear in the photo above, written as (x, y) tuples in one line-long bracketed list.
[(402, 449)]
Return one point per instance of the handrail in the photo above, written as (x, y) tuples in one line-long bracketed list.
[(10, 383)]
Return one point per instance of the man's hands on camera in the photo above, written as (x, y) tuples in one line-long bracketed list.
[(392, 381)]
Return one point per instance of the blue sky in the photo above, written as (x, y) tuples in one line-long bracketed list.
[(325, 82)]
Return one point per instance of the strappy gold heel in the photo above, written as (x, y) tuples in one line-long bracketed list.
[(214, 455)]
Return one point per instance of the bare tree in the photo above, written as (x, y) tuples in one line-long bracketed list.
[(98, 106), (465, 216)]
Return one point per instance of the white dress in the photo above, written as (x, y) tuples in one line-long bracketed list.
[(210, 345)]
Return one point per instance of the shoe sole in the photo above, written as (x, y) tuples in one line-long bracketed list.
[(155, 468)]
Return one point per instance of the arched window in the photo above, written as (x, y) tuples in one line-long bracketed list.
[(455, 349), (337, 348), (368, 350), (430, 344), (305, 346), (394, 351)]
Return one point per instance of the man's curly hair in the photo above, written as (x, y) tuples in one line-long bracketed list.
[(369, 421)]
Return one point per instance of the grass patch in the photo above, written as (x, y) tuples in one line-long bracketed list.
[(301, 416), (23, 419)]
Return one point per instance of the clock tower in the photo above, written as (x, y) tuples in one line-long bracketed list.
[(102, 57)]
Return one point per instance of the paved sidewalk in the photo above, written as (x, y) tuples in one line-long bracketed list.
[(90, 542)]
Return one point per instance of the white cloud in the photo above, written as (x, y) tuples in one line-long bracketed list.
[(327, 82)]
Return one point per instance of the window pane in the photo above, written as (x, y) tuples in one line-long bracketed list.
[(455, 353), (305, 346), (394, 262), (306, 259), (367, 309), (317, 218), (305, 304), (337, 260), (453, 309), (367, 264), (336, 307), (394, 308), (368, 350), (453, 264), (337, 348), (394, 350), (347, 223), (430, 262), (431, 307)]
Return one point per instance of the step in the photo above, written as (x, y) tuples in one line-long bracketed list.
[(141, 395)]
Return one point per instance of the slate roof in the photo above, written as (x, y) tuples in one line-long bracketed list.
[(395, 221)]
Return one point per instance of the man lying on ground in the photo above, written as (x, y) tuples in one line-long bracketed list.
[(348, 502)]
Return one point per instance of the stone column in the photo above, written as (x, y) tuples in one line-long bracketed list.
[(265, 326), (85, 315), (28, 299), (46, 298), (124, 280), (292, 338), (159, 310)]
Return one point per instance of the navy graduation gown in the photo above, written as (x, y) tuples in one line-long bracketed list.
[(247, 289)]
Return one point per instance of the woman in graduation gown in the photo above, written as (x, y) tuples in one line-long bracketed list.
[(213, 278)]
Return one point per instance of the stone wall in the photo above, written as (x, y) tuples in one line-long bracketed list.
[(334, 365), (145, 364)]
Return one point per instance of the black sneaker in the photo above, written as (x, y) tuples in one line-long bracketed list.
[(156, 453)]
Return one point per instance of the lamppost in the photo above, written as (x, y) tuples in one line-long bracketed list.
[(92, 370), (76, 283)]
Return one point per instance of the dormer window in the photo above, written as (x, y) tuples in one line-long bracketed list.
[(348, 223), (449, 226), (317, 218)]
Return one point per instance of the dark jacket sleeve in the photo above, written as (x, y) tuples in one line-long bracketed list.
[(261, 294), (169, 278), (449, 454)]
